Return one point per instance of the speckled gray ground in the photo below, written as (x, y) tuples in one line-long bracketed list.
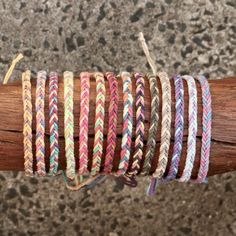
[(185, 36)]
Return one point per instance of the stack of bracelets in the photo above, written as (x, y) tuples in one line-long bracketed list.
[(134, 159)]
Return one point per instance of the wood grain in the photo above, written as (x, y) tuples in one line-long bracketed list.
[(223, 151)]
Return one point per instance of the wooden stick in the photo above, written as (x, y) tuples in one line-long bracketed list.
[(223, 151)]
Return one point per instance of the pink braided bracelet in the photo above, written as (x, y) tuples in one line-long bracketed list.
[(83, 123), (99, 123), (206, 130), (113, 110)]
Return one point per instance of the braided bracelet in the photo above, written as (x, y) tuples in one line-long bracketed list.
[(179, 127), (113, 111), (27, 129), (206, 130), (53, 122), (166, 125), (69, 124), (151, 142), (99, 123), (83, 123), (127, 123), (192, 133), (40, 123), (138, 153)]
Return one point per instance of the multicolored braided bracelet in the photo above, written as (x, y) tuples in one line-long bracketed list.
[(206, 130), (99, 123), (83, 123), (192, 132), (40, 122), (113, 111), (179, 127), (127, 124), (140, 118), (166, 125), (69, 124), (152, 135), (53, 122), (27, 128)]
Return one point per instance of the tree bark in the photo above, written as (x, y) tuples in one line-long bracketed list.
[(223, 149)]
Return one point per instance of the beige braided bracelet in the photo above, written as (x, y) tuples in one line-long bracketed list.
[(165, 125)]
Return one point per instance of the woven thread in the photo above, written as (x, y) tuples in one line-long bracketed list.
[(27, 128), (112, 126), (165, 125), (192, 132), (140, 118), (40, 123), (99, 122), (179, 127), (206, 130), (152, 134), (69, 124), (127, 124), (83, 123), (53, 122)]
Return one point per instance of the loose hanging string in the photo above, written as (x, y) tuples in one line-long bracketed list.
[(12, 67), (147, 53)]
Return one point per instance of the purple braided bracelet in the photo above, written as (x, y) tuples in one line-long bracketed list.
[(179, 127), (206, 130), (192, 132)]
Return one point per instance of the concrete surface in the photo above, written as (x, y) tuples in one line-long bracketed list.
[(186, 37)]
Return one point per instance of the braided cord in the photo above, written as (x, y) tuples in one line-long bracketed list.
[(113, 111), (83, 123), (192, 132), (151, 142), (99, 123), (53, 122), (179, 127), (69, 124), (27, 129), (138, 153), (40, 123), (206, 129), (127, 123), (166, 125)]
